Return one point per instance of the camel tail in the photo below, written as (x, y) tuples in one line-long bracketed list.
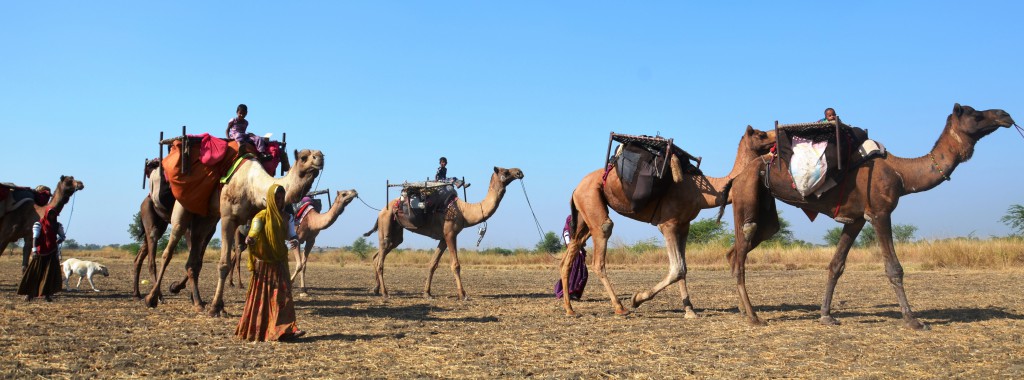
[(725, 193), (573, 215), (372, 230)]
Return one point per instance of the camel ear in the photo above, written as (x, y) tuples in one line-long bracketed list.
[(62, 178), (496, 170), (750, 130), (296, 155), (958, 110)]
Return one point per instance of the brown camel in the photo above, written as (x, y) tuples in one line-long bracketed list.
[(243, 196), (869, 193), (672, 214), (309, 228), (17, 223), (237, 200), (444, 227)]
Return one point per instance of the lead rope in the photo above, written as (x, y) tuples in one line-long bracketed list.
[(66, 228), (367, 205), (540, 231)]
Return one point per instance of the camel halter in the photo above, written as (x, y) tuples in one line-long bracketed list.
[(935, 164), (1019, 129), (367, 205)]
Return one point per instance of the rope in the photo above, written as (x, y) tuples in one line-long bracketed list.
[(540, 231), (367, 205), (1019, 129)]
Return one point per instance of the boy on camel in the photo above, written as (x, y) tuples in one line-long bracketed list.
[(442, 175), (237, 131)]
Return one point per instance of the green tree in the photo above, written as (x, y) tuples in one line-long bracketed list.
[(551, 243), (832, 235), (71, 244), (706, 230), (135, 228), (785, 234), (362, 247), (1014, 219), (903, 233), (215, 243), (867, 237)]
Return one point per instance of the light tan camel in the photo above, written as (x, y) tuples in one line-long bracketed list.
[(869, 193), (238, 200), (17, 223), (243, 196), (309, 228), (444, 227), (672, 214)]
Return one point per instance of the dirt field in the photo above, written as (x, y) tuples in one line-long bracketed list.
[(512, 327)]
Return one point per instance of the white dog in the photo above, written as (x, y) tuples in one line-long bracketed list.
[(84, 269)]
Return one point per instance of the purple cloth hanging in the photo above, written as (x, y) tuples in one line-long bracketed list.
[(577, 270)]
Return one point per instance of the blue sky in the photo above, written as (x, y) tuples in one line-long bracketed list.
[(385, 88)]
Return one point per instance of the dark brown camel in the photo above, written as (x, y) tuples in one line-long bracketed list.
[(686, 196), (869, 193), (17, 223)]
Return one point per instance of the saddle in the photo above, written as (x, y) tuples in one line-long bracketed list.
[(641, 163), (420, 200), (13, 196), (844, 148)]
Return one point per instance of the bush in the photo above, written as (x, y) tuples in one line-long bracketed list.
[(550, 244)]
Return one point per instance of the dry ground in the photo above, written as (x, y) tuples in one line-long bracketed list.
[(512, 327)]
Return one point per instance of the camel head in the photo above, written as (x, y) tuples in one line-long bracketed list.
[(977, 124), (345, 197), (308, 164), (506, 176), (758, 141), (69, 185)]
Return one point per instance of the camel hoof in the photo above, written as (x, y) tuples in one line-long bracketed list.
[(915, 324), (635, 302), (827, 320), (303, 295), (150, 301), (217, 311), (758, 322), (175, 289), (571, 313), (200, 307), (428, 296), (621, 312), (690, 314)]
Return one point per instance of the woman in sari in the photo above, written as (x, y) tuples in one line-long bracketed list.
[(43, 277), (269, 310)]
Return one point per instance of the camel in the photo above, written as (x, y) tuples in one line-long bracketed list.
[(243, 196), (444, 227), (869, 193), (17, 224), (236, 201), (672, 213), (309, 228)]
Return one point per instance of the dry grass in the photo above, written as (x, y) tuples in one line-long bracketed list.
[(991, 254), (512, 326)]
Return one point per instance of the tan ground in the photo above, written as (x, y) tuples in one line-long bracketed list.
[(512, 327)]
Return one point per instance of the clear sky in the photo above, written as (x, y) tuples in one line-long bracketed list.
[(384, 88)]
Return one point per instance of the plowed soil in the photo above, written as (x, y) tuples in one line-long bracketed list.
[(513, 327)]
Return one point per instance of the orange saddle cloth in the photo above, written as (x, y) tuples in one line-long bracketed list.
[(193, 188)]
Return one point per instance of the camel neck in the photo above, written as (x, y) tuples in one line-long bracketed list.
[(476, 213), (937, 166)]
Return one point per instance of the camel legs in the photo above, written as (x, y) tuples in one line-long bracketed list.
[(177, 230), (301, 255), (228, 229), (837, 267), (756, 220), (201, 232), (456, 268), (434, 261), (389, 237), (597, 217), (675, 247), (893, 269)]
